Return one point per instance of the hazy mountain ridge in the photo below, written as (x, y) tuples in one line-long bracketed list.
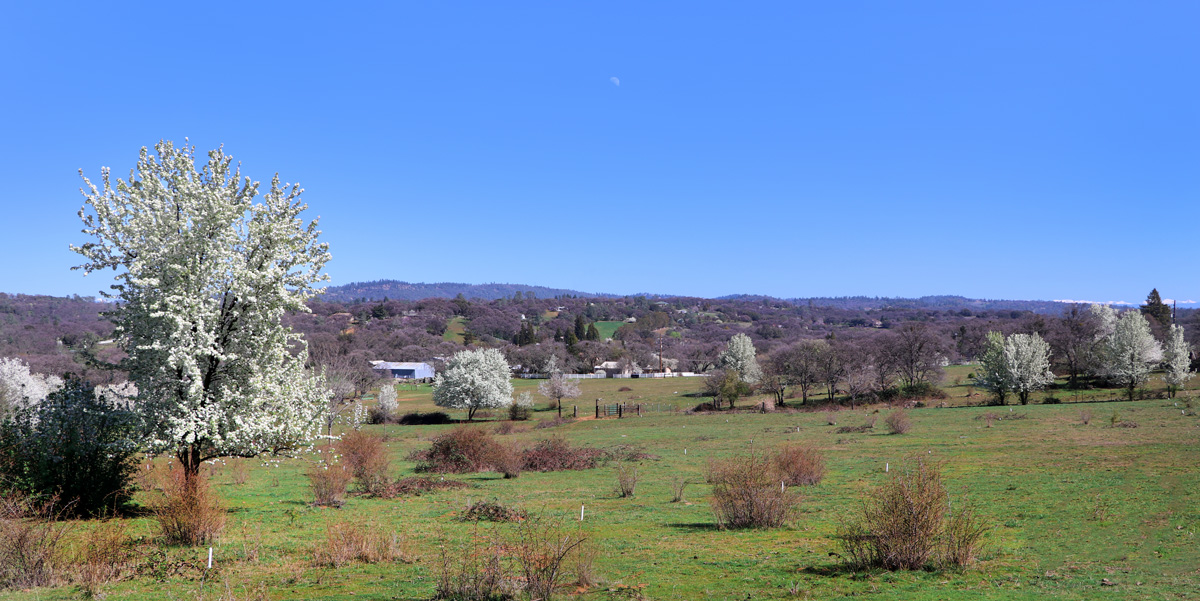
[(398, 290)]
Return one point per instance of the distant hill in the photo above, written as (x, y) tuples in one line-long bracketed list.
[(397, 290), (940, 302)]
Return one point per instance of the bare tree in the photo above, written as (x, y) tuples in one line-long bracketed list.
[(918, 354), (1073, 338)]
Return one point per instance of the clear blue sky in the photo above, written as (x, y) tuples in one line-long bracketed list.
[(1038, 150)]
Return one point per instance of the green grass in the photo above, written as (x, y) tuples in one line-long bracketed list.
[(608, 328), (455, 328), (1069, 504)]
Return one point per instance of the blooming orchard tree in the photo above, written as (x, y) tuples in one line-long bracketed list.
[(1130, 352), (557, 388), (204, 274), (387, 398), (1177, 360), (474, 380), (21, 390), (993, 373), (739, 356), (1028, 364)]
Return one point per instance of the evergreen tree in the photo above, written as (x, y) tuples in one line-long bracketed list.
[(593, 333), (580, 328), (1158, 310)]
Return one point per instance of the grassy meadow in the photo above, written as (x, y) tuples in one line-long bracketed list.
[(1076, 511)]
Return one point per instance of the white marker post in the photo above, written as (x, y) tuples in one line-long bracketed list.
[(210, 558), (581, 512), (887, 467)]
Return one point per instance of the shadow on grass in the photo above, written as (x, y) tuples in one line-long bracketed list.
[(696, 526)]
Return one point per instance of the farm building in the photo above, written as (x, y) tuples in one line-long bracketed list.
[(404, 371)]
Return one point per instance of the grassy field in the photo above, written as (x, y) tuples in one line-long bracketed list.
[(455, 328), (1070, 505), (608, 328)]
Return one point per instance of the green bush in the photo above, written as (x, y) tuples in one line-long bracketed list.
[(74, 446)]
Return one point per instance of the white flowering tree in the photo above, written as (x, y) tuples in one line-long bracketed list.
[(474, 380), (1177, 360), (22, 390), (739, 355), (204, 274), (1130, 352), (1028, 359), (993, 373), (557, 388), (387, 397)]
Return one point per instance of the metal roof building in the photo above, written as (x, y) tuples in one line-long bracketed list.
[(405, 371)]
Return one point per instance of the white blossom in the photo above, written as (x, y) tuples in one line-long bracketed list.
[(1177, 360), (22, 390), (993, 374), (739, 355), (204, 275), (1028, 360), (473, 380), (1130, 352), (387, 397)]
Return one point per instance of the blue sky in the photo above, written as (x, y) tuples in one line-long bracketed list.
[(998, 150)]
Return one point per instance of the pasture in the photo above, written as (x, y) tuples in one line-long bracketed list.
[(1077, 511)]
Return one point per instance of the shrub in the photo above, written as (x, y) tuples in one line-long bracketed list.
[(831, 417), (582, 560), (346, 542), (519, 413), (31, 540), (415, 486), (239, 472), (509, 461), (799, 465), (491, 511), (328, 483), (898, 422), (76, 447), (473, 572), (462, 450), (107, 554), (1051, 400), (905, 523), (1085, 417), (432, 418), (553, 423), (187, 510), (627, 479), (747, 494), (677, 487), (366, 457), (509, 428), (540, 547), (624, 389), (556, 454)]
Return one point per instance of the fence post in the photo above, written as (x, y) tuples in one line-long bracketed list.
[(620, 410), (597, 408), (639, 406), (574, 410)]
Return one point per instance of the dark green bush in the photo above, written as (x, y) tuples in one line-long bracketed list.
[(74, 446)]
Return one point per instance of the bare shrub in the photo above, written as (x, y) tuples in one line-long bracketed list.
[(898, 422), (540, 547), (747, 494), (346, 542), (416, 486), (31, 540), (627, 479), (677, 487), (509, 428), (188, 512), (107, 554), (473, 572), (963, 537), (624, 389), (831, 417), (432, 418), (553, 423), (239, 472), (462, 450), (492, 511), (905, 523), (799, 465), (582, 564), (1085, 417), (509, 461), (366, 457), (328, 484), (556, 454), (988, 418)]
